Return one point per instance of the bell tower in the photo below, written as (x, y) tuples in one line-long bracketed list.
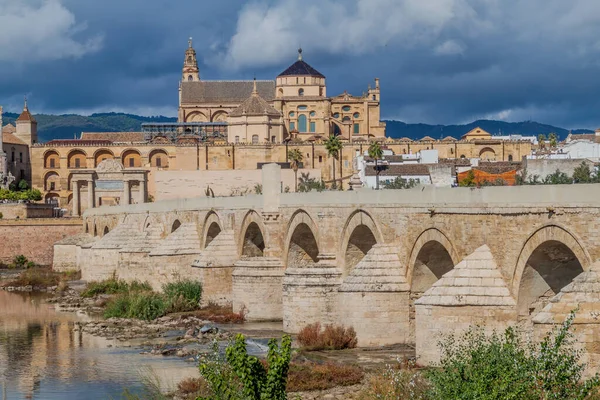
[(190, 72)]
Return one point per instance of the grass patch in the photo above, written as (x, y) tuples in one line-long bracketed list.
[(333, 337), (221, 314), (114, 286), (183, 295), (140, 305), (402, 380), (308, 376)]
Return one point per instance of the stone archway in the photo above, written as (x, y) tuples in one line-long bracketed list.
[(550, 259), (359, 235), (252, 240), (432, 256), (212, 228), (302, 247)]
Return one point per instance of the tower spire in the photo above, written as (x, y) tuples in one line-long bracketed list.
[(300, 54), (25, 106), (254, 89), (190, 72)]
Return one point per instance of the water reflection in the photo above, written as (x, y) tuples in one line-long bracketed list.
[(42, 356)]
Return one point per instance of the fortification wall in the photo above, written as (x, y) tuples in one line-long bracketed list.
[(34, 238)]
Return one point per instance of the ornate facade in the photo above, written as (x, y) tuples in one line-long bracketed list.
[(298, 94)]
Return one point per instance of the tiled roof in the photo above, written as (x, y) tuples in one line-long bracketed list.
[(458, 162), (26, 116), (77, 142), (255, 106), (497, 168), (449, 139), (224, 91), (114, 136), (10, 128), (9, 138), (301, 68), (585, 136), (475, 281), (399, 170), (427, 139)]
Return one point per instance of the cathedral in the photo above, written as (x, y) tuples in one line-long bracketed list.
[(294, 105)]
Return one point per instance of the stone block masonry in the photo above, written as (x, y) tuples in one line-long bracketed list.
[(462, 256), (34, 238)]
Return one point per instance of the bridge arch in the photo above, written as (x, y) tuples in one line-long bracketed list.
[(548, 261), (359, 235), (252, 239), (432, 255), (211, 229), (302, 241)]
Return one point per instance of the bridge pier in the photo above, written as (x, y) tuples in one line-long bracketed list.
[(257, 288), (310, 294)]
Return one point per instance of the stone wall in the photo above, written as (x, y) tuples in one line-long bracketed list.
[(186, 184), (543, 168), (22, 210), (34, 238)]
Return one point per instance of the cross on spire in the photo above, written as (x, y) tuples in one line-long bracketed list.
[(300, 54), (190, 42)]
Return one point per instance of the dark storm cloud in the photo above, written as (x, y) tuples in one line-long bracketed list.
[(440, 61)]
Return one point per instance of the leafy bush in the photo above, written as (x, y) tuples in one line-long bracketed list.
[(19, 262), (400, 183), (13, 195), (40, 277), (500, 366), (114, 286), (308, 184), (332, 337), (140, 305), (183, 295), (241, 376)]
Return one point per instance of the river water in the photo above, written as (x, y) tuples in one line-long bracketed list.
[(42, 357)]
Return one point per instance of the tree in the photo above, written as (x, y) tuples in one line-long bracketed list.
[(296, 157), (469, 180), (23, 185), (542, 141), (582, 174), (376, 153), (558, 178), (400, 183), (553, 140), (333, 145)]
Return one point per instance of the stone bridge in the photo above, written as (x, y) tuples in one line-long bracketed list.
[(495, 255)]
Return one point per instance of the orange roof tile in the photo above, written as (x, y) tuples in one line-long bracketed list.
[(9, 138)]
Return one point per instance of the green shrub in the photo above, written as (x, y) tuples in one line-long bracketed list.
[(500, 366), (140, 305), (19, 262), (244, 376), (183, 295), (114, 286)]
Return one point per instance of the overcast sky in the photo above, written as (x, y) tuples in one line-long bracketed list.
[(440, 61)]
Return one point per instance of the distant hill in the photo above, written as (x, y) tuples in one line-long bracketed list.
[(398, 129), (69, 126)]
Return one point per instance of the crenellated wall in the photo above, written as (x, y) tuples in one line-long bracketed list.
[(359, 257)]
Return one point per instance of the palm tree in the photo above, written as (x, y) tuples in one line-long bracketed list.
[(553, 140), (295, 156), (542, 141), (333, 145), (376, 153)]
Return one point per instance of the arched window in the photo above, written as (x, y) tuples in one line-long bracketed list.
[(302, 123), (300, 92), (313, 114), (346, 119), (292, 114), (254, 139), (356, 115), (510, 157), (190, 78), (374, 97)]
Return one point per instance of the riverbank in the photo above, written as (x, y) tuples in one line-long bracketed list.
[(189, 336)]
